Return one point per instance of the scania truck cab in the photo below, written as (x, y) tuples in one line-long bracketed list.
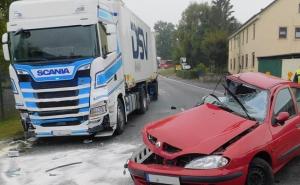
[(78, 67)]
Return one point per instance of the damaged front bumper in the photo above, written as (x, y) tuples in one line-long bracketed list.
[(145, 173)]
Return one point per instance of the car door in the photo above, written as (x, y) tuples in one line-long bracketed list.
[(285, 137)]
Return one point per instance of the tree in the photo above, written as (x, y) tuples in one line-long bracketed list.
[(215, 47), (164, 39), (4, 6), (191, 28)]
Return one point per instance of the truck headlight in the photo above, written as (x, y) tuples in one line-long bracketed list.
[(208, 162), (98, 109)]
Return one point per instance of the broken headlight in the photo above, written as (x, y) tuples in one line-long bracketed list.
[(208, 162)]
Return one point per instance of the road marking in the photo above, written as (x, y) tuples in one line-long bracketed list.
[(191, 85)]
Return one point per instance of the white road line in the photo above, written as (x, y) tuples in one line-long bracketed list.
[(191, 85)]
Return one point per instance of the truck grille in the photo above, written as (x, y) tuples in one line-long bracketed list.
[(58, 103)]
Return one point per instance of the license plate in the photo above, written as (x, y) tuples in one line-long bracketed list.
[(62, 132), (163, 179)]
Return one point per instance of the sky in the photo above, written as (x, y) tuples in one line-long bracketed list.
[(152, 11)]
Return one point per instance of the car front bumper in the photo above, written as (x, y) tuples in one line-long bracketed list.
[(141, 173)]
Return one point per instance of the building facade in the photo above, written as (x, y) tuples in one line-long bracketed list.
[(271, 35)]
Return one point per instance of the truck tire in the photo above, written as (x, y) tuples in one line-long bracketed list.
[(143, 101), (155, 88), (260, 172), (120, 118)]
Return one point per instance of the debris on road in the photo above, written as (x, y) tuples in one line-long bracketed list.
[(13, 172), (62, 166), (13, 153), (87, 141)]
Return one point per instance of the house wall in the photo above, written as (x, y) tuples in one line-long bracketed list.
[(265, 40)]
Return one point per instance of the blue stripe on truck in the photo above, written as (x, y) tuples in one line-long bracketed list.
[(103, 77)]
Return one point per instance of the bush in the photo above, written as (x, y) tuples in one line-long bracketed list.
[(201, 69), (191, 74)]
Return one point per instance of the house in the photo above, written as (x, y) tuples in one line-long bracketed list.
[(269, 42)]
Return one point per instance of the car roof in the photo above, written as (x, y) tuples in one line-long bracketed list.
[(260, 80)]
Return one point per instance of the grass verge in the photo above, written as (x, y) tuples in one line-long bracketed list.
[(167, 72), (10, 128)]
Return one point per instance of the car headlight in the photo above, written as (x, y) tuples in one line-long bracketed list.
[(98, 109), (208, 162)]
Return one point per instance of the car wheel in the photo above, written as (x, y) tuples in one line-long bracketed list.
[(120, 118), (260, 173), (143, 101)]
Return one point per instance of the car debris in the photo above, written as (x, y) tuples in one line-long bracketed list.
[(87, 141), (13, 153), (62, 166), (13, 172)]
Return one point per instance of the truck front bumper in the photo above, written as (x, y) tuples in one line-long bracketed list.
[(86, 128)]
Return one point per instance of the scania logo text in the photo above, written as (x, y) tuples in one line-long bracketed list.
[(49, 72)]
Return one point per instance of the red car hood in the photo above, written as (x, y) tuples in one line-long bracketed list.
[(201, 130)]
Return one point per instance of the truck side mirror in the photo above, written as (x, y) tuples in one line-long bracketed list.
[(5, 47), (282, 118)]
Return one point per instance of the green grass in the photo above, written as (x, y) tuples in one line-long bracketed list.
[(10, 128), (167, 72)]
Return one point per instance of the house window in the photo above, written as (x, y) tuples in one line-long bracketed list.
[(243, 37), (254, 31), (299, 8), (282, 32), (246, 56), (243, 65), (297, 33), (234, 64), (253, 59), (247, 38)]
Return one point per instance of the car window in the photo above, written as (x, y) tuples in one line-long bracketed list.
[(284, 103), (296, 92)]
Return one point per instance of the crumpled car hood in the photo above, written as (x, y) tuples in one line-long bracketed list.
[(201, 130)]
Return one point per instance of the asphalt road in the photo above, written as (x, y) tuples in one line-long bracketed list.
[(100, 161)]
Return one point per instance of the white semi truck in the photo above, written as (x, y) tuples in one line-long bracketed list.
[(79, 67)]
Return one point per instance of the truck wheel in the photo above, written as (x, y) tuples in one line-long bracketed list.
[(155, 95), (260, 173), (120, 118), (143, 102)]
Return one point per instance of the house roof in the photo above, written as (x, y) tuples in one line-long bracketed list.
[(252, 19), (260, 80)]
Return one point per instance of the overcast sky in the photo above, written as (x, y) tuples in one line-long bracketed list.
[(170, 10)]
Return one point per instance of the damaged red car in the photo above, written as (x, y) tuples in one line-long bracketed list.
[(241, 138)]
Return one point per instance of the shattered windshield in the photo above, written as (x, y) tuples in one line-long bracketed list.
[(255, 103), (252, 99)]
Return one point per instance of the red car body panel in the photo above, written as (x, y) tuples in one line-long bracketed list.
[(208, 133), (209, 130)]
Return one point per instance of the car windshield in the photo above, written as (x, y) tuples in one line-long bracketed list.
[(254, 100), (35, 46)]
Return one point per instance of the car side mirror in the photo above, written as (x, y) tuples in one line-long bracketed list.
[(5, 47), (282, 118)]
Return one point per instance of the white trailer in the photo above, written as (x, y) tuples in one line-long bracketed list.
[(79, 67)]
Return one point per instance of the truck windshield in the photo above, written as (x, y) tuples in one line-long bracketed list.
[(65, 43)]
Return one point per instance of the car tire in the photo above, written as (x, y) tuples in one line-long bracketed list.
[(143, 101), (120, 118), (260, 173)]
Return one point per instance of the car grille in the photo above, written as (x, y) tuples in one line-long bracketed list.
[(49, 102)]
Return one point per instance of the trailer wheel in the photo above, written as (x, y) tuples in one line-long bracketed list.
[(120, 118), (143, 101)]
